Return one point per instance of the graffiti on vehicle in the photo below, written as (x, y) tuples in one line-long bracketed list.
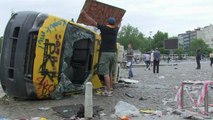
[(54, 25), (57, 44), (41, 40), (45, 86), (48, 68), (48, 53)]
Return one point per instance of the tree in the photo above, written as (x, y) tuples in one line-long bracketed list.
[(180, 50), (207, 51), (158, 41), (129, 34), (198, 44)]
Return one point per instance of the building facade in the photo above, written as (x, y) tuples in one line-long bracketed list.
[(180, 39), (184, 39), (206, 34)]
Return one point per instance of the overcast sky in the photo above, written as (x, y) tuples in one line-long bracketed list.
[(172, 16)]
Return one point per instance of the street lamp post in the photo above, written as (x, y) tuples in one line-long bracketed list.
[(150, 40)]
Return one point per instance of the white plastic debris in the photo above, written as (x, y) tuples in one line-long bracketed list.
[(159, 113), (113, 116), (161, 77), (169, 110), (186, 115), (129, 81), (44, 108), (38, 118), (123, 108), (2, 93)]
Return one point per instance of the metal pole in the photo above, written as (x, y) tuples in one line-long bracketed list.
[(150, 40), (88, 107), (206, 102), (182, 92), (172, 53)]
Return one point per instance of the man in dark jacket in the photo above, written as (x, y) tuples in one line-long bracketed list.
[(156, 60), (107, 62), (198, 58)]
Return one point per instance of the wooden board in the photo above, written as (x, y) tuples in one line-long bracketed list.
[(100, 12)]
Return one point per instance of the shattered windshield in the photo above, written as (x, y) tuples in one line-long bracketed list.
[(73, 34)]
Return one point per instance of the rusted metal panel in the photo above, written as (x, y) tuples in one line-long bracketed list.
[(100, 12)]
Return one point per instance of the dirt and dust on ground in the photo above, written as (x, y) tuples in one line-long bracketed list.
[(154, 92)]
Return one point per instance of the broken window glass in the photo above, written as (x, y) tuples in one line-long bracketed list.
[(76, 60)]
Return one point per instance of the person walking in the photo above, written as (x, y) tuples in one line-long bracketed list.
[(198, 58), (130, 55), (168, 59), (211, 58), (107, 61), (156, 61), (147, 60), (152, 57)]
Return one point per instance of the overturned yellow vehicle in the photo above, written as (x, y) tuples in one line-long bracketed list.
[(39, 51)]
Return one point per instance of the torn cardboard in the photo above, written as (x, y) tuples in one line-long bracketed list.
[(100, 12)]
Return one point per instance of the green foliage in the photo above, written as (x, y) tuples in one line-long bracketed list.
[(199, 44), (207, 51), (130, 34), (158, 41), (180, 50)]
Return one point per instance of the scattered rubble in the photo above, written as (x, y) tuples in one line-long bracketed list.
[(158, 113), (37, 118), (128, 81), (43, 108), (142, 98), (3, 97), (161, 77), (76, 111), (129, 95), (2, 93), (147, 111), (165, 101), (4, 100), (150, 95)]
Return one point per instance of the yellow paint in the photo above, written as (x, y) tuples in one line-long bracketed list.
[(147, 111), (95, 79), (43, 118), (53, 30), (96, 82)]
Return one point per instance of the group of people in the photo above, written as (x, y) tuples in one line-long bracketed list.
[(199, 56), (151, 59), (107, 59)]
